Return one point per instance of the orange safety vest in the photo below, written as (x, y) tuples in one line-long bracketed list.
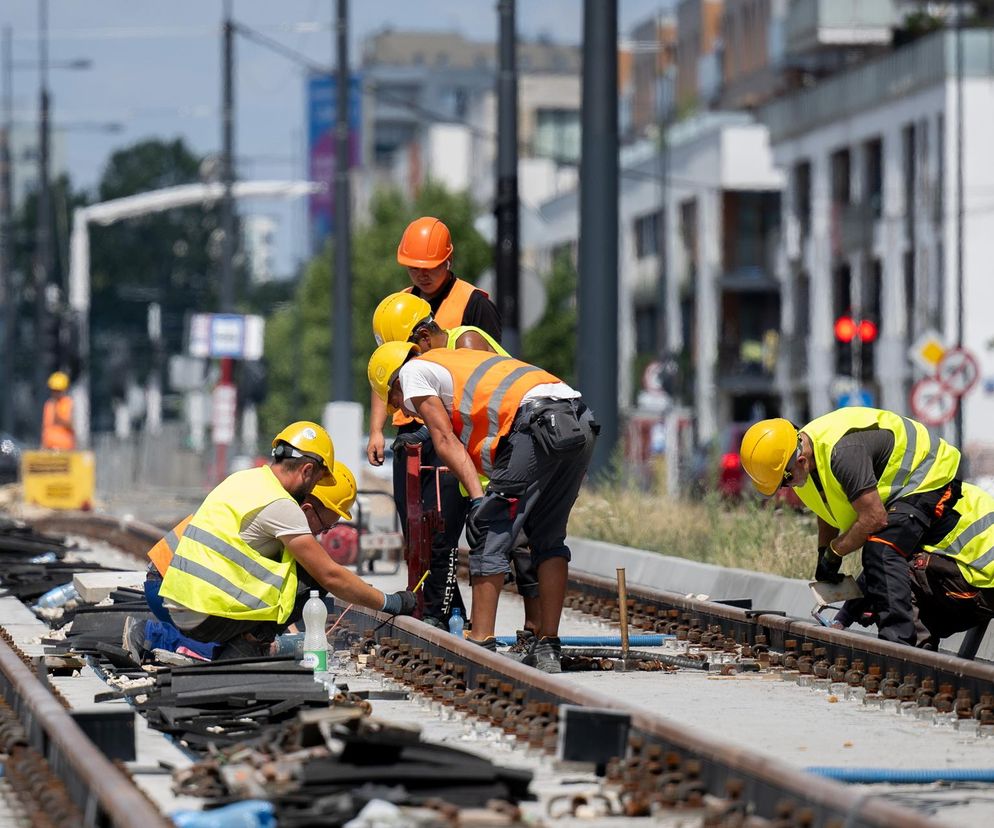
[(450, 315), (162, 553), (55, 436), (487, 390)]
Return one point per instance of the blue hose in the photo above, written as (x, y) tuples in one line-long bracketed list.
[(903, 776), (599, 640)]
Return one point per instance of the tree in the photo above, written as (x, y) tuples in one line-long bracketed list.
[(298, 336), (551, 344), (169, 258)]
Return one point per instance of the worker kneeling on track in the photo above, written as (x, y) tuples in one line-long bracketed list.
[(233, 577), (530, 434), (403, 317), (880, 482)]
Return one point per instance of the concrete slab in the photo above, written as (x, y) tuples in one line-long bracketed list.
[(94, 587)]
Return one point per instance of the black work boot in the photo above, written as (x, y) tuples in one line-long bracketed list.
[(520, 648), (545, 655)]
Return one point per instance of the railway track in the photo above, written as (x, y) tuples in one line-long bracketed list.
[(668, 766)]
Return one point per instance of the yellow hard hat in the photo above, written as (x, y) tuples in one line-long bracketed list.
[(766, 450), (396, 317), (309, 440), (59, 381), (340, 495), (385, 364)]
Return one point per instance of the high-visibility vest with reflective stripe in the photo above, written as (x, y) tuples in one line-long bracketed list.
[(449, 315), (487, 390), (214, 571), (455, 333), (162, 553), (53, 436), (971, 542), (919, 462)]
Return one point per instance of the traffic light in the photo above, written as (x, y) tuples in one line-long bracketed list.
[(252, 383), (850, 332)]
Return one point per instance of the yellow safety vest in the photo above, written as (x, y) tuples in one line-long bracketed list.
[(455, 333), (971, 542), (918, 462), (215, 572)]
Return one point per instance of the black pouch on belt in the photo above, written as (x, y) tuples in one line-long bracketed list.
[(556, 428)]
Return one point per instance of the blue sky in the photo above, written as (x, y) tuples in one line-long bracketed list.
[(156, 71)]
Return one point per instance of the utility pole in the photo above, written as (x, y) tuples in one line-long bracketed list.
[(228, 164), (7, 293), (43, 237), (960, 215), (506, 247), (341, 321), (597, 355)]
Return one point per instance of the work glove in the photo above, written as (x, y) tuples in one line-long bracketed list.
[(829, 565), (475, 536), (413, 438), (399, 603)]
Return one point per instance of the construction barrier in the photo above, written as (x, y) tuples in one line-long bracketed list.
[(58, 479)]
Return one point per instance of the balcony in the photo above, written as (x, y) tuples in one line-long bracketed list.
[(816, 24), (746, 367)]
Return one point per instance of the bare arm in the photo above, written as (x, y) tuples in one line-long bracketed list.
[(377, 417), (870, 517), (471, 339), (448, 446), (341, 582)]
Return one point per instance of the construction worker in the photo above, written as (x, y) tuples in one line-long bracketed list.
[(426, 251), (233, 576), (323, 507), (877, 481), (57, 431), (530, 434), (402, 317)]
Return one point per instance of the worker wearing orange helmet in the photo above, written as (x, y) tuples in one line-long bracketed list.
[(426, 251), (879, 482), (57, 431)]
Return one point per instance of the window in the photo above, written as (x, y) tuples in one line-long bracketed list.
[(557, 134), (648, 234), (802, 196), (873, 184)]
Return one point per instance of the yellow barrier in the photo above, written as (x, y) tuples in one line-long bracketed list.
[(58, 479)]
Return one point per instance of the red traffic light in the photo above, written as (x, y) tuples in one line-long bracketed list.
[(867, 330), (845, 329)]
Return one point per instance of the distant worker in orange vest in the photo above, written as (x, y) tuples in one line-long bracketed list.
[(426, 251), (57, 432)]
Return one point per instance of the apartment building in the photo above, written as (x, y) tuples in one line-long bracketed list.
[(871, 224)]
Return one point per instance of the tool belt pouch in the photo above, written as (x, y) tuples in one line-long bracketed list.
[(557, 429)]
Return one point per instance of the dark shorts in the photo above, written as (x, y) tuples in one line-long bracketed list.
[(530, 490)]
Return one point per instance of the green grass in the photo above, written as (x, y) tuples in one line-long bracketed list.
[(746, 536)]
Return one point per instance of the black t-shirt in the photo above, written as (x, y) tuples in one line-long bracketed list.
[(859, 459), (480, 311)]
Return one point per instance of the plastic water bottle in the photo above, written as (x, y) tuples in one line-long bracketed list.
[(315, 640), (456, 622), (58, 597)]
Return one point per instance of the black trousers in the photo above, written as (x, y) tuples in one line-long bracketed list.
[(911, 521), (947, 603), (441, 589)]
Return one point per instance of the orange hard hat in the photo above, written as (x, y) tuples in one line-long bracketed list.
[(426, 243)]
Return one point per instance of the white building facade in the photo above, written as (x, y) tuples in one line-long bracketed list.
[(871, 224)]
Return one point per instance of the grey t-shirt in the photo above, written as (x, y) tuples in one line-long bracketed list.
[(859, 459), (262, 531)]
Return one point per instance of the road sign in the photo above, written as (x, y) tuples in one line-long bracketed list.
[(223, 410), (932, 402), (652, 376), (958, 371), (220, 335), (927, 350), (856, 398)]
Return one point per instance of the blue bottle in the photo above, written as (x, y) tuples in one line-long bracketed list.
[(456, 622)]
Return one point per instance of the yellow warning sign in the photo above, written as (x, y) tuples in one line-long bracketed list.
[(927, 350), (58, 479)]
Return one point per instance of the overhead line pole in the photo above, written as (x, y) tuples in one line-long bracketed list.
[(507, 263), (960, 213), (227, 296), (341, 318), (43, 236), (597, 355), (7, 293)]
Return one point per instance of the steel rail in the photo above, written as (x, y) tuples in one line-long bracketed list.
[(103, 792), (766, 783), (744, 625)]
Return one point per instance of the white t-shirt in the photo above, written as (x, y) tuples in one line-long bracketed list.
[(262, 531), (421, 378)]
